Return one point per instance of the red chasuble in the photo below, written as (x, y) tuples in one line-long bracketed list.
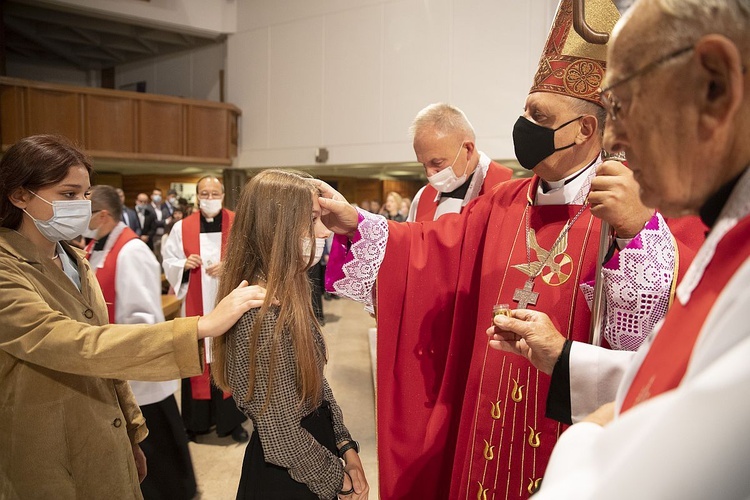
[(667, 359), (427, 207), (457, 419), (106, 275), (191, 244)]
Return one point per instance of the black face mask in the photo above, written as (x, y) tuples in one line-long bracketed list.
[(533, 143)]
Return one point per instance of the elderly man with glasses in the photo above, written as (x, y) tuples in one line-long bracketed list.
[(678, 98)]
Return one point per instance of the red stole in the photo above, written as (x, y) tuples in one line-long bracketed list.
[(107, 274), (191, 244), (427, 206), (438, 384), (667, 359)]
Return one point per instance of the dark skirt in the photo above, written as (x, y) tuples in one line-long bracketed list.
[(170, 470), (199, 415), (261, 480)]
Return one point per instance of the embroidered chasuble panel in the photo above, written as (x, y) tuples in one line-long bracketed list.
[(503, 424)]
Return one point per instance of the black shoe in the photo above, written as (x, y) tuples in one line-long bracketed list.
[(193, 435), (240, 435)]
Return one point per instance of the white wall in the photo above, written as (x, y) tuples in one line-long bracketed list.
[(351, 74), (193, 74), (195, 16)]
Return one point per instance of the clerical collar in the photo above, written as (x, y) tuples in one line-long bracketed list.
[(711, 209), (548, 186), (99, 245), (211, 225), (460, 191)]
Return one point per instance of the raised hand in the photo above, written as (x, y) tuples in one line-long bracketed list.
[(614, 198)]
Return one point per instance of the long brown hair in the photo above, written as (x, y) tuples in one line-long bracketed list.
[(274, 213)]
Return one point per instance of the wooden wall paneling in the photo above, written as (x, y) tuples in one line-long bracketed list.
[(113, 179), (12, 117), (161, 128), (132, 185), (54, 112), (207, 132), (110, 124)]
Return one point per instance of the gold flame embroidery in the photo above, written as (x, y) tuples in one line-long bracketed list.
[(495, 411), (489, 452), (534, 438), (517, 394)]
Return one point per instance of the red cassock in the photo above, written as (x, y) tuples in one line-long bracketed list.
[(191, 244), (457, 419), (427, 207)]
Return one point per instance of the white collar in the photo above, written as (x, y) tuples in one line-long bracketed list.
[(572, 193)]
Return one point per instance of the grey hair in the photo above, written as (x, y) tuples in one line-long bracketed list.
[(687, 20), (444, 118), (582, 107)]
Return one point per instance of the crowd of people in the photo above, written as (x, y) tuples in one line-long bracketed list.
[(491, 383)]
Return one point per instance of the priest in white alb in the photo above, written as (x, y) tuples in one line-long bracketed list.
[(192, 259)]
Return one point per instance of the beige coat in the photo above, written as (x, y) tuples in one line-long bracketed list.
[(67, 418)]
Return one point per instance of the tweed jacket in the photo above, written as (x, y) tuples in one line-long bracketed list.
[(67, 417)]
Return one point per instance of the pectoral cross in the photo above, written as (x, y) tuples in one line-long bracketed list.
[(525, 296)]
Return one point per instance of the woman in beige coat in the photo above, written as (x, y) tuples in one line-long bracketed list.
[(69, 425)]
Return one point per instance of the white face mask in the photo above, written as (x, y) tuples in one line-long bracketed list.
[(320, 244), (210, 208), (69, 220), (446, 181)]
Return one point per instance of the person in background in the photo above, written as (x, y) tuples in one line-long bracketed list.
[(146, 219), (457, 172), (129, 217), (375, 206), (163, 212), (130, 278), (172, 199), (405, 207), (392, 207), (69, 424), (274, 358), (193, 257)]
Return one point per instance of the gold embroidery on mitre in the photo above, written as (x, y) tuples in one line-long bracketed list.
[(517, 394), (570, 65), (533, 484), (560, 264), (482, 492), (489, 451), (495, 412), (534, 438)]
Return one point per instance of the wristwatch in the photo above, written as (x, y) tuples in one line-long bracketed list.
[(351, 444)]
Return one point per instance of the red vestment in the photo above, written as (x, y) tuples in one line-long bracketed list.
[(107, 274), (191, 244), (457, 419), (667, 359)]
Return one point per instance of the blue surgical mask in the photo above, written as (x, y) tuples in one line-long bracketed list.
[(69, 220)]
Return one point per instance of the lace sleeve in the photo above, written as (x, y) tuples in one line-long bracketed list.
[(638, 285), (353, 264)]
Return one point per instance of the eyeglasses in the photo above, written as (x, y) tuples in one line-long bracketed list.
[(612, 104)]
